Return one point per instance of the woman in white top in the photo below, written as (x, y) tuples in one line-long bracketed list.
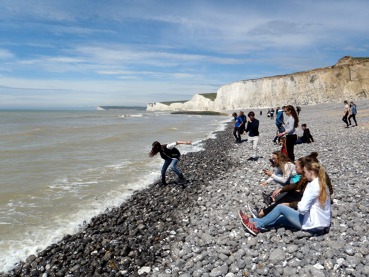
[(314, 209), (285, 170), (290, 128)]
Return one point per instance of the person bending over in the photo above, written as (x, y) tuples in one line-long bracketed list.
[(171, 156), (313, 212)]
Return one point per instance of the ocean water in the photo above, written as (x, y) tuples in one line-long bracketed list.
[(58, 169)]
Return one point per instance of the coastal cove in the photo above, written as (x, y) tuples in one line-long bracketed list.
[(195, 231)]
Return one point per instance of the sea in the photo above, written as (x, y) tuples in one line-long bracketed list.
[(58, 169)]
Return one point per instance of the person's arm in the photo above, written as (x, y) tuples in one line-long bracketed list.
[(289, 126), (285, 177), (173, 144), (184, 142), (311, 194)]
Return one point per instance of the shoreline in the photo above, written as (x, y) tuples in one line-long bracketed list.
[(170, 231)]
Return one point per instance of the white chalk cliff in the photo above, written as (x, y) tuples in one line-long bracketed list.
[(348, 79)]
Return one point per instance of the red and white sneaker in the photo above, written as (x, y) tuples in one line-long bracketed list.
[(243, 216), (251, 227)]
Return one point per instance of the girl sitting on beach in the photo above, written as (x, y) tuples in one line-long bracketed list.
[(171, 156), (285, 170), (313, 211), (291, 194)]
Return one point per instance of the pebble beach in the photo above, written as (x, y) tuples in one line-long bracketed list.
[(195, 230)]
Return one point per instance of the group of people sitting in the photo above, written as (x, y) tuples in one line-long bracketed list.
[(302, 202)]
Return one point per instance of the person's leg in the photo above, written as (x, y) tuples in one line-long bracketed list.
[(290, 145), (349, 119), (255, 146), (344, 119), (164, 170), (354, 118), (235, 133), (173, 166), (281, 214)]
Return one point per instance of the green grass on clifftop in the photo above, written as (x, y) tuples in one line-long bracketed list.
[(200, 113)]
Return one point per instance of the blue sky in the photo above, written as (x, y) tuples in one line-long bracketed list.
[(85, 53)]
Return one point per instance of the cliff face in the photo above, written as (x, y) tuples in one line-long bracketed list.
[(197, 103), (348, 79)]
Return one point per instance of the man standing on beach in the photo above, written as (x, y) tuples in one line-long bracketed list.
[(253, 129), (279, 123), (238, 127), (346, 113)]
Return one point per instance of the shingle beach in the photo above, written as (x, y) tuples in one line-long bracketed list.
[(196, 231)]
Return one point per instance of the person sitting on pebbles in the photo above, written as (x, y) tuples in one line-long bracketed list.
[(285, 172), (313, 212), (171, 156), (291, 194)]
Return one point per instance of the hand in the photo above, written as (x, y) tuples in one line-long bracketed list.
[(280, 135), (263, 184), (275, 193), (268, 172)]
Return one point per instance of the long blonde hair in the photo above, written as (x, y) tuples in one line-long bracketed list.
[(312, 164)]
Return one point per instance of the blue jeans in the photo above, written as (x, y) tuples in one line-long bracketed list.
[(172, 163), (280, 215)]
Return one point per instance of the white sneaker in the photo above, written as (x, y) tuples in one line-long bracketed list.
[(253, 212)]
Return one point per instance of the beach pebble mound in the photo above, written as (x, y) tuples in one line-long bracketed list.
[(193, 229)]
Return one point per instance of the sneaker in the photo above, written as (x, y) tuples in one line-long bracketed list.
[(251, 227), (243, 216), (254, 212)]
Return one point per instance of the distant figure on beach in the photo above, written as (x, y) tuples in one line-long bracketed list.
[(290, 128), (244, 122), (279, 123), (306, 137), (238, 127), (298, 110), (346, 112), (171, 156), (252, 129), (271, 113), (353, 112), (313, 212), (261, 112)]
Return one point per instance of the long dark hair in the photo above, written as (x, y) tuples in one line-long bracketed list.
[(294, 114), (156, 148)]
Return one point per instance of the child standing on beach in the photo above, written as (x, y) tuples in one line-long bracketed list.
[(171, 156)]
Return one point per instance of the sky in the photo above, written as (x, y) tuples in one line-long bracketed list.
[(88, 53)]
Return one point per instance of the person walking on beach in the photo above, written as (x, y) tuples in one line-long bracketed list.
[(238, 126), (313, 211), (171, 156), (253, 129), (290, 128), (353, 112), (346, 112)]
